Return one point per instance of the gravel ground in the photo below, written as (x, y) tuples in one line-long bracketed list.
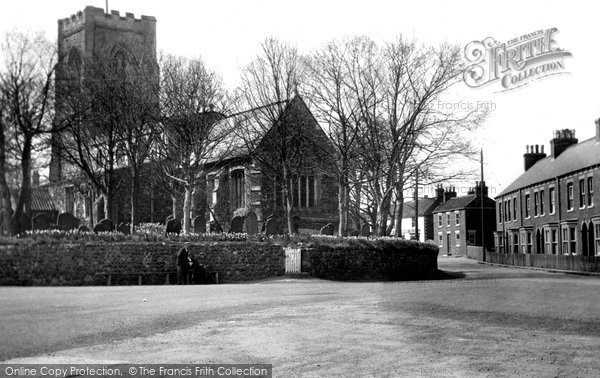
[(487, 321)]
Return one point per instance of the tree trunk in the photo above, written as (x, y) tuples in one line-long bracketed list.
[(343, 207), (398, 212), (383, 209), (25, 193), (174, 205), (6, 205), (288, 188), (187, 205), (135, 190)]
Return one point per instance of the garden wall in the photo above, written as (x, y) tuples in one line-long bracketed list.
[(128, 263), (561, 262), (373, 260)]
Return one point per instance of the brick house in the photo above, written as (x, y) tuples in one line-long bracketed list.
[(457, 221), (551, 208)]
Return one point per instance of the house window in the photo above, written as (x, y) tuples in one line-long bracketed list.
[(569, 239), (514, 208), (472, 237), (554, 242), (536, 203), (508, 210), (581, 193), (590, 191), (500, 212), (440, 239), (457, 238), (238, 198), (515, 245), (529, 241), (457, 218), (448, 219), (527, 205), (570, 196), (541, 202), (440, 221), (552, 200), (499, 240), (548, 242), (597, 236)]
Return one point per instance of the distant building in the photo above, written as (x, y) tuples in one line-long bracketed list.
[(457, 221), (424, 223), (552, 208)]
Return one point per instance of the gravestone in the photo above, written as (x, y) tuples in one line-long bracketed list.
[(124, 228), (173, 227), (251, 224), (355, 233), (83, 228), (273, 227), (108, 224), (42, 222), (365, 230), (67, 221), (199, 224), (237, 225), (327, 229)]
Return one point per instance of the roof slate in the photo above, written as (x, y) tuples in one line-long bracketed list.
[(574, 158), (41, 200)]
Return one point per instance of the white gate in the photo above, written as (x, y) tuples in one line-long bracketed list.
[(293, 260)]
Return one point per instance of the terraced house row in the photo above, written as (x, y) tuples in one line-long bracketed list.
[(554, 206)]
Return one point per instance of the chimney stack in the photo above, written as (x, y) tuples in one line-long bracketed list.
[(481, 188), (533, 155), (450, 193), (597, 122), (439, 193), (563, 139)]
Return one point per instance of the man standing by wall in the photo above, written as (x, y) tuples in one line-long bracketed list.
[(183, 265)]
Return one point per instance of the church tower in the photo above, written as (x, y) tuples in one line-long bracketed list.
[(91, 33)]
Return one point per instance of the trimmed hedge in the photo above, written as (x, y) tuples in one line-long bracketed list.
[(388, 260)]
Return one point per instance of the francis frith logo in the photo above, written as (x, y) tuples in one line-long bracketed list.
[(515, 63)]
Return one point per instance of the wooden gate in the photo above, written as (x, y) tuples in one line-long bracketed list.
[(293, 261)]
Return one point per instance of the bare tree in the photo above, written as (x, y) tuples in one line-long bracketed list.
[(191, 98), (26, 111), (335, 106), (283, 148), (397, 88)]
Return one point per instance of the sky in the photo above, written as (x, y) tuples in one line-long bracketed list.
[(227, 35)]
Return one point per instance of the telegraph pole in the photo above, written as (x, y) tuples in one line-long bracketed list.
[(481, 184), (417, 204)]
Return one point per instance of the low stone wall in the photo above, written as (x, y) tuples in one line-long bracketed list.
[(388, 261), (560, 262), (130, 263)]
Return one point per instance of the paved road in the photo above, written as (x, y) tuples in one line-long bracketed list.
[(486, 321)]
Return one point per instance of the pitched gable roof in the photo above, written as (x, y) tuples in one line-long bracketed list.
[(425, 205), (41, 200), (465, 202), (574, 158)]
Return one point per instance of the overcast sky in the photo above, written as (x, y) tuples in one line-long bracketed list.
[(227, 34)]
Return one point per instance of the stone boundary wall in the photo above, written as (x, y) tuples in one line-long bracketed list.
[(559, 262), (133, 263), (377, 262)]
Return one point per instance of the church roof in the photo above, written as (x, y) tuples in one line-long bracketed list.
[(576, 157)]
